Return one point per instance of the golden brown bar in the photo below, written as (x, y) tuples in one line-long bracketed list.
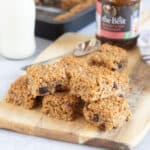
[(108, 113), (94, 83), (19, 94), (112, 57), (62, 106), (50, 78)]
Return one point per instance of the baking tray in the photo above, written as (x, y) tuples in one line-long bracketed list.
[(50, 29)]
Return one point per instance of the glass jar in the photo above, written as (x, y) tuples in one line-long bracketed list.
[(118, 22)]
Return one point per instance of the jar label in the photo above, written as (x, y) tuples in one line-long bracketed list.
[(117, 22)]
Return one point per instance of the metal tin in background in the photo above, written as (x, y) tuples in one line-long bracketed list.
[(46, 28)]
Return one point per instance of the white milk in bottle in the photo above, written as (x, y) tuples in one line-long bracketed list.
[(17, 26)]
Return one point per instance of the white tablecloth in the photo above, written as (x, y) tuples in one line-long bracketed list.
[(14, 141)]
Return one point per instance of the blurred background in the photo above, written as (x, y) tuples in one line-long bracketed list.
[(11, 69)]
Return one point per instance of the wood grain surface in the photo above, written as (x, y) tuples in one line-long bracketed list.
[(33, 122)]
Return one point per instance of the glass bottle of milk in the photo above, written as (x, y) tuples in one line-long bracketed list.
[(17, 40)]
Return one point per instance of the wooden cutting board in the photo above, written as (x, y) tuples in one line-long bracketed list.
[(35, 123)]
